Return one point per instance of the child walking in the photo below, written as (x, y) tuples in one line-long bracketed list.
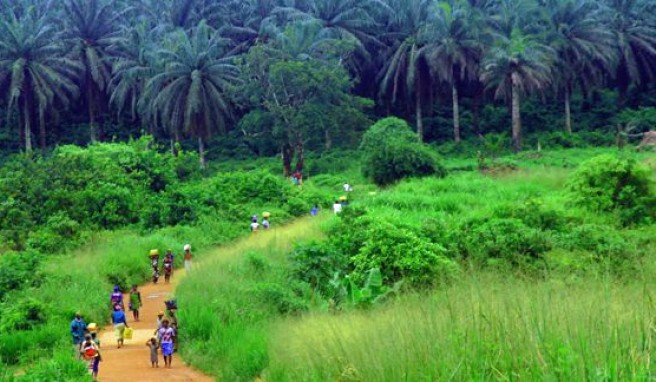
[(152, 344), (91, 355)]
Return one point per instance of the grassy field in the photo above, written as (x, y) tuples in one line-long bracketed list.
[(227, 303), (582, 310), (485, 327)]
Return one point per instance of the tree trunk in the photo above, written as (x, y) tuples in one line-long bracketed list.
[(418, 114), (201, 153), (28, 124), (93, 131), (568, 110), (329, 139), (287, 153), (300, 157), (456, 113), (42, 131), (476, 112), (516, 118)]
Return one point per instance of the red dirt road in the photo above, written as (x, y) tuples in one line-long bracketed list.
[(131, 363)]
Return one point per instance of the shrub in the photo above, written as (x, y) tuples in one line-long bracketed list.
[(402, 255), (392, 152), (508, 239), (601, 240), (316, 263), (608, 183), (533, 213)]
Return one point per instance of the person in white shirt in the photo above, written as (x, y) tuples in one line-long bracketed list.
[(347, 187), (337, 207), (254, 226)]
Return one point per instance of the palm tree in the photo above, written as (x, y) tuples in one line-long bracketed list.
[(349, 20), (189, 95), (584, 44), (132, 68), (250, 22), (635, 34), (33, 73), (91, 26), (515, 66), (404, 70), (454, 49)]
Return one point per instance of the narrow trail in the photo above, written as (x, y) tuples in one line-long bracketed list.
[(132, 361)]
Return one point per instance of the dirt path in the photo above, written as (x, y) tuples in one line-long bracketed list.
[(131, 363)]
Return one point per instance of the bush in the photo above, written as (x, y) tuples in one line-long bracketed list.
[(392, 152), (508, 239), (608, 183), (316, 264), (402, 255)]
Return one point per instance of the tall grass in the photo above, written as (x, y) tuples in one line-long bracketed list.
[(486, 327), (227, 302)]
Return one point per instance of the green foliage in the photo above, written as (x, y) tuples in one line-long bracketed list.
[(507, 239), (18, 271), (316, 264), (372, 292), (392, 152), (612, 184), (401, 255)]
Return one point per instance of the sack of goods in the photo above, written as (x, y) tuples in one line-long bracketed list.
[(127, 333)]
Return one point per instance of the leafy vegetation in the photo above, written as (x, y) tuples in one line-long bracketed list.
[(271, 77)]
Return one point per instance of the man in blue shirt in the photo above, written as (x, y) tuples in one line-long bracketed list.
[(78, 327), (120, 323)]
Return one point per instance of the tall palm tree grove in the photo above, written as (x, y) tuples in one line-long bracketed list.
[(80, 71)]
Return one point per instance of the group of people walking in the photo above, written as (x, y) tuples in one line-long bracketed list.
[(87, 344)]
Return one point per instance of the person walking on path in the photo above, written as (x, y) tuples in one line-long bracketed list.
[(116, 298), (78, 327), (153, 346), (91, 354), (120, 323), (337, 207), (168, 268), (135, 302), (187, 257), (165, 335)]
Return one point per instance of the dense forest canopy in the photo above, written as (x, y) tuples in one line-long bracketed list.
[(281, 76)]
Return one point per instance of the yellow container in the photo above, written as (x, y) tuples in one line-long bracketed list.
[(266, 215), (127, 333), (154, 252)]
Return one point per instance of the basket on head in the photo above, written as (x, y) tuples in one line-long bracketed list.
[(266, 215), (187, 247), (154, 252), (92, 327), (342, 198)]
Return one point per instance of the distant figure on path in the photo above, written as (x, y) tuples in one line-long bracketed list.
[(78, 327), (154, 264), (337, 207), (160, 318), (165, 335), (315, 210), (153, 346), (254, 226), (187, 257), (168, 268), (347, 187), (265, 223), (135, 302), (116, 298), (120, 323)]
